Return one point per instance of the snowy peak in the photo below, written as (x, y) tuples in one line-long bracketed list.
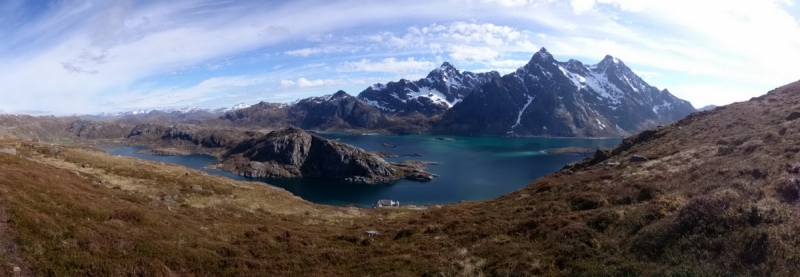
[(443, 88), (237, 107), (550, 97), (542, 56), (339, 95)]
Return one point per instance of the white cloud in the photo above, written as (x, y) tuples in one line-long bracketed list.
[(389, 65), (580, 6), (305, 52)]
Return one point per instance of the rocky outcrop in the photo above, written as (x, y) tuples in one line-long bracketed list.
[(292, 152)]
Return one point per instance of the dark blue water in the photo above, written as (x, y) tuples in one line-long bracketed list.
[(471, 168)]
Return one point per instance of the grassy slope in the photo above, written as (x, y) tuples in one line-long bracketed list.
[(718, 197)]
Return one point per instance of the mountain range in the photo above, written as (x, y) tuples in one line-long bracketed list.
[(543, 98)]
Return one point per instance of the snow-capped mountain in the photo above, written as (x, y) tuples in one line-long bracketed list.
[(548, 97), (234, 108), (443, 88), (188, 113)]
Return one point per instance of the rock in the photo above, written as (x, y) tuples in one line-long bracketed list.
[(197, 188), (637, 158), (153, 204), (17, 270), (573, 151), (372, 233), (421, 177), (389, 145), (793, 116), (168, 199), (54, 151), (446, 139), (85, 165), (12, 151)]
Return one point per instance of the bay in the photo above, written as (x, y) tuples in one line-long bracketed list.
[(470, 168)]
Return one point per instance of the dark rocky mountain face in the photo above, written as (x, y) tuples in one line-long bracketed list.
[(339, 110), (551, 98), (334, 110), (261, 114), (443, 88)]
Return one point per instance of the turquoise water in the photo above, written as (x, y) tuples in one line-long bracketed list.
[(471, 168)]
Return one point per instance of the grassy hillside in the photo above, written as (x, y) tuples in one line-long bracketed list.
[(718, 196)]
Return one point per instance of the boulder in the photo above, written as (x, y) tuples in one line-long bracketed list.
[(637, 158), (197, 188), (793, 116), (12, 151)]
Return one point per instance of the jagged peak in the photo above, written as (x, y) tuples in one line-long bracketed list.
[(447, 65), (610, 61), (542, 55), (340, 93), (443, 70)]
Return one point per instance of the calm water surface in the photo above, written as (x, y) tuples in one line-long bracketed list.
[(471, 168)]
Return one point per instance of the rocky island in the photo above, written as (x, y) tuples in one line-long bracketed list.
[(292, 152)]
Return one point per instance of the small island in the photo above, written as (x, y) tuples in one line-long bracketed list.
[(164, 152), (572, 151)]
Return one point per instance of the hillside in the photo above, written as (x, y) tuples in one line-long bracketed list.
[(717, 196)]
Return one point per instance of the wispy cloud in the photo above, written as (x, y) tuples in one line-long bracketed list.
[(390, 65), (78, 56)]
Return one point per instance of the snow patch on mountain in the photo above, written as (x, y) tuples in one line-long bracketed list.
[(432, 94), (519, 116)]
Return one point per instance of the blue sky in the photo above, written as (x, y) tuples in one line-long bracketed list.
[(77, 57)]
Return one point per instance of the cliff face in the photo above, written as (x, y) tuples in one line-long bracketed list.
[(292, 152)]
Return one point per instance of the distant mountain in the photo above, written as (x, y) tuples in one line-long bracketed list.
[(551, 98), (443, 88), (334, 111), (708, 107), (188, 113)]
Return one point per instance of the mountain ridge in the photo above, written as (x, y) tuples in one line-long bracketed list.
[(565, 99)]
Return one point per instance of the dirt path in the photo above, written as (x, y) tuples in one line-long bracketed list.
[(9, 247)]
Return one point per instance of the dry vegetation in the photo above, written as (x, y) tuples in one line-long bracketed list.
[(718, 196)]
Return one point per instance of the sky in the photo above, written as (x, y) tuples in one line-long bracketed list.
[(85, 57)]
